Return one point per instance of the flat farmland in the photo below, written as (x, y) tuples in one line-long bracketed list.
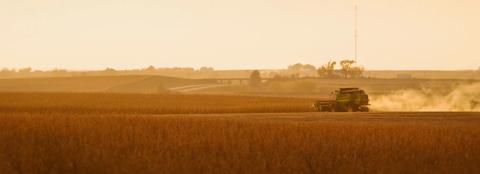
[(61, 133), (169, 103)]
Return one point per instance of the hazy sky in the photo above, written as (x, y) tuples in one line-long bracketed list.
[(94, 34)]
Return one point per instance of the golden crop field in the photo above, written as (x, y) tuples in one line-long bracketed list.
[(148, 103), (171, 133)]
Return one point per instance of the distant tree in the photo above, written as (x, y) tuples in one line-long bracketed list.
[(150, 68), (302, 70), (299, 66), (346, 67), (25, 70), (308, 71), (59, 72), (255, 79), (322, 71), (204, 68), (309, 67), (327, 69), (295, 67), (109, 71)]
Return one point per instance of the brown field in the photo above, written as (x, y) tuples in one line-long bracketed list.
[(135, 133), (161, 84), (126, 84), (121, 103)]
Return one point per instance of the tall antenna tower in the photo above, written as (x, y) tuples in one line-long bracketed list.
[(356, 33)]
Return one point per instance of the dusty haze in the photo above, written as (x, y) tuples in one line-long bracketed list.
[(460, 97)]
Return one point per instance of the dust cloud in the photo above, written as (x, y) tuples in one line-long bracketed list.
[(463, 97)]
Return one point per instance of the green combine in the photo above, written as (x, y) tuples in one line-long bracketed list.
[(344, 100)]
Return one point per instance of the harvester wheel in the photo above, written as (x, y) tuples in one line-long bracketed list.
[(333, 109), (352, 108), (349, 108), (364, 109)]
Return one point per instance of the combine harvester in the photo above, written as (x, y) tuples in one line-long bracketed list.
[(344, 100)]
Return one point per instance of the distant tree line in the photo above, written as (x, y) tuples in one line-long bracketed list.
[(28, 71), (347, 69)]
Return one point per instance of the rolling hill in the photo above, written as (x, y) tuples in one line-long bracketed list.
[(120, 84)]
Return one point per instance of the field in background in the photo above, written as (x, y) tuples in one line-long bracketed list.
[(321, 88), (312, 88), (41, 142), (148, 103), (123, 84)]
